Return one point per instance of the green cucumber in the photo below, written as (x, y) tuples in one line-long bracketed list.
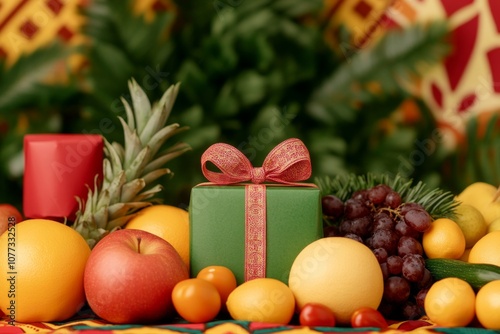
[(476, 274)]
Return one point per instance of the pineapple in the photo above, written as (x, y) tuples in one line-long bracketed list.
[(130, 170)]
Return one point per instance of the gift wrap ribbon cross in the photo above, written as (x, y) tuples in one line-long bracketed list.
[(288, 163)]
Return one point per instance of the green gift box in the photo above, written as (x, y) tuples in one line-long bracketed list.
[(217, 227), (254, 220)]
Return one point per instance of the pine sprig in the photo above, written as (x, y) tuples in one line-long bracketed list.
[(437, 202)]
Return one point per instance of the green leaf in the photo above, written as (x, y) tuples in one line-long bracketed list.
[(298, 8), (250, 87), (392, 61), (22, 82)]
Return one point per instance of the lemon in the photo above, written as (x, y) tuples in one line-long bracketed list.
[(443, 239), (482, 196), (487, 249), (488, 305), (471, 222), (262, 300), (168, 222), (450, 302), (340, 273), (495, 225)]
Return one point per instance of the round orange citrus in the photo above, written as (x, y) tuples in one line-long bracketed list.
[(44, 263), (222, 278), (340, 273), (487, 249), (488, 305), (168, 222), (444, 239), (450, 302)]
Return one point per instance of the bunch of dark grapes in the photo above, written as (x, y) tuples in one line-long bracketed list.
[(393, 231)]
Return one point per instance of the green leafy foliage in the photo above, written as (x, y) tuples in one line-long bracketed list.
[(390, 64), (479, 158)]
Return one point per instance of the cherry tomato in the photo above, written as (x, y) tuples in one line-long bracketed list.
[(196, 300), (315, 314), (223, 279), (368, 317)]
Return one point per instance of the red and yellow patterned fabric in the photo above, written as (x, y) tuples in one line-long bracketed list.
[(26, 25), (467, 83), (363, 18), (85, 323)]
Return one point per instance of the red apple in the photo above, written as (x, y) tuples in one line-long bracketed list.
[(8, 215), (130, 275)]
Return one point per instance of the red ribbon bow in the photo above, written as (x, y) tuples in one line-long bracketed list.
[(287, 163)]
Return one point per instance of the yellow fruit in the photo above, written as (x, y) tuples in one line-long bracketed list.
[(262, 300), (488, 305), (443, 239), (487, 249), (340, 273), (168, 222), (450, 302), (482, 196), (494, 226), (49, 262), (471, 222), (465, 255)]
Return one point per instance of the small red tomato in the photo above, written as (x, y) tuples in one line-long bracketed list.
[(315, 314), (368, 317)]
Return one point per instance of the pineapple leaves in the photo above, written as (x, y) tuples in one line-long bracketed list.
[(131, 170), (142, 106), (129, 112), (131, 189)]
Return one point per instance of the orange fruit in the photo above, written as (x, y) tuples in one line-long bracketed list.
[(168, 222), (48, 261), (196, 300), (465, 255), (444, 239), (488, 305), (340, 273), (262, 300), (222, 278), (487, 249), (450, 302)]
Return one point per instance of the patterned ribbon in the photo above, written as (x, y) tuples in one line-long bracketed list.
[(287, 163)]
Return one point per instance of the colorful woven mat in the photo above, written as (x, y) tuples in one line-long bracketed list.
[(87, 323), (94, 326)]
